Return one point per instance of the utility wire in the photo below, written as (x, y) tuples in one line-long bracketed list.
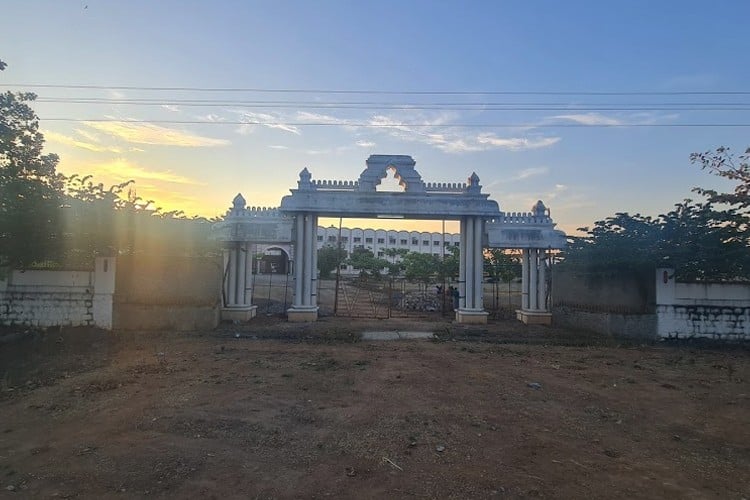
[(375, 92), (394, 125), (407, 107)]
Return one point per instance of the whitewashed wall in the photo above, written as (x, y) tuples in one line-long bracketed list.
[(711, 310), (43, 298)]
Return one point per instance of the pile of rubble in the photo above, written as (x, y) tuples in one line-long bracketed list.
[(421, 301)]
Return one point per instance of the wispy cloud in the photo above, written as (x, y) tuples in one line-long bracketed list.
[(589, 119), (517, 143), (305, 116), (277, 146), (530, 172), (622, 119), (88, 135), (365, 144), (171, 107), (121, 169), (72, 141), (148, 133), (328, 151), (253, 120), (455, 140)]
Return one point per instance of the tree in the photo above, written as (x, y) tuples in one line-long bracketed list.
[(708, 240), (421, 267), (368, 265), (722, 163), (30, 187), (396, 264), (329, 258), (449, 265)]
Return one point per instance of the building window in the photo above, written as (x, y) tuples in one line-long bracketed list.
[(380, 254), (436, 254), (391, 241), (368, 240), (381, 241), (344, 239), (435, 243), (332, 239), (403, 242), (320, 237), (425, 242), (414, 241), (446, 243), (456, 244), (357, 239)]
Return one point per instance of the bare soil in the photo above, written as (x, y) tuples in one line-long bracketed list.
[(277, 410)]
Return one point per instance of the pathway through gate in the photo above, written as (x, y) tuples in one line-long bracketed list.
[(388, 298)]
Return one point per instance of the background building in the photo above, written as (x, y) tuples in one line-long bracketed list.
[(376, 240)]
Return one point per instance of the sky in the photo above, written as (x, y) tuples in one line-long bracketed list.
[(589, 106)]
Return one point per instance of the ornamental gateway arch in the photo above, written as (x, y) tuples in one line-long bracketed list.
[(295, 224)]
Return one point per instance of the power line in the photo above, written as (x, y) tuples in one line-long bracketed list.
[(408, 107), (376, 92), (395, 125)]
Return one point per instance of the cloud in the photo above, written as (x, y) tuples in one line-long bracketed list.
[(305, 116), (328, 151), (253, 120), (365, 144), (72, 141), (517, 143), (170, 107), (277, 146), (88, 135), (121, 169), (147, 133), (589, 119), (455, 140), (529, 172)]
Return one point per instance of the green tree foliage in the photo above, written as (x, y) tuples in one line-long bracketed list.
[(30, 187), (395, 258), (329, 258), (421, 267), (722, 163), (707, 240), (449, 264), (368, 265), (501, 266), (46, 217)]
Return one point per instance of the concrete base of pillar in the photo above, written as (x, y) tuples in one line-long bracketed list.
[(534, 317), (471, 316), (245, 313), (302, 314)]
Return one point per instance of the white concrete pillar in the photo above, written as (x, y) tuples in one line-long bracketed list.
[(241, 273), (314, 243), (463, 250), (104, 289), (478, 264), (309, 243), (470, 274), (232, 276), (298, 258), (304, 306), (542, 292), (525, 279), (249, 260), (533, 278)]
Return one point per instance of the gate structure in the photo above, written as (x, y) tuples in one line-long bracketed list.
[(482, 225)]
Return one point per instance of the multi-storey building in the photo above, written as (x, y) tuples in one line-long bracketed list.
[(378, 241)]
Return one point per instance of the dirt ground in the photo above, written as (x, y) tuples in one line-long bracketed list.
[(277, 410)]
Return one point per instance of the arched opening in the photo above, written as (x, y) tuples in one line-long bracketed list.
[(273, 260)]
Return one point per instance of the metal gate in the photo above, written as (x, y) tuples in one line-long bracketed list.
[(389, 298)]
